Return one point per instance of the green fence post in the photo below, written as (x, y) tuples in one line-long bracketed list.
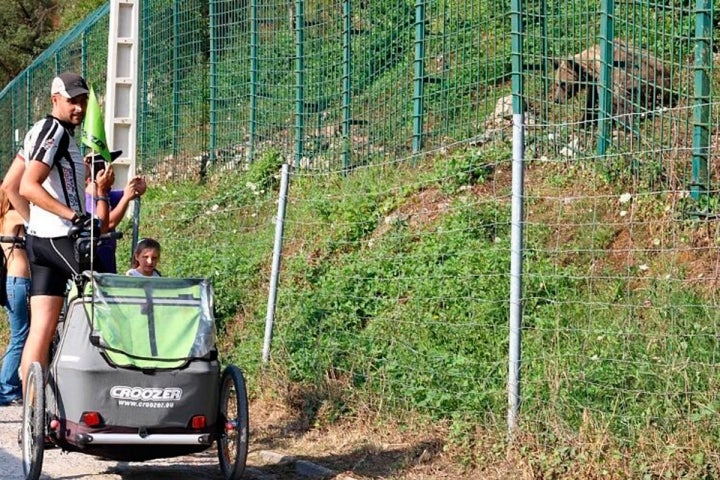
[(547, 79), (13, 122), (419, 72), (444, 91), (83, 54), (143, 87), (607, 33), (213, 80), (28, 103), (347, 84), (253, 76), (176, 77), (701, 107), (300, 80)]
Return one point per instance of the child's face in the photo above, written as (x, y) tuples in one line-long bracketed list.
[(147, 259)]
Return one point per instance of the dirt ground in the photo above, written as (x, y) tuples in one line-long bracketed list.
[(365, 448)]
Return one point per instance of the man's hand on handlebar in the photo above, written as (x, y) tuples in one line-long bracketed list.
[(83, 224)]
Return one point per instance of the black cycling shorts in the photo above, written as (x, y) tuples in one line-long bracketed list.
[(52, 264)]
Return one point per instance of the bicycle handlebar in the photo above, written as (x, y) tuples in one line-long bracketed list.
[(109, 235), (16, 239), (11, 239)]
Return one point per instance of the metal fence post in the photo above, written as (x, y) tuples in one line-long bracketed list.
[(176, 78), (213, 79), (347, 83), (419, 75), (516, 232), (277, 255), (299, 80), (607, 33), (254, 69), (143, 87), (701, 104)]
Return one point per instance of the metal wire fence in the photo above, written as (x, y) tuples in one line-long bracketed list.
[(333, 84), (337, 84)]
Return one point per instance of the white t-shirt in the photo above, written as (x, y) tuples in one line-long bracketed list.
[(51, 141), (134, 272)]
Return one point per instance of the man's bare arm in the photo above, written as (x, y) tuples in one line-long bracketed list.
[(31, 188)]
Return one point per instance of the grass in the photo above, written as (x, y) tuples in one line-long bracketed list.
[(393, 301), (393, 298)]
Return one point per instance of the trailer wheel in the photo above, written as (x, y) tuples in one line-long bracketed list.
[(233, 423)]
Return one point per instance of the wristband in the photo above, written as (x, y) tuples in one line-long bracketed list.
[(97, 199)]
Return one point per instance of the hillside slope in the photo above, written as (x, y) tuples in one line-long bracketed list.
[(393, 305)]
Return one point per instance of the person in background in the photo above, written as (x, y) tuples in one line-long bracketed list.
[(17, 285), (145, 259), (101, 196), (11, 185)]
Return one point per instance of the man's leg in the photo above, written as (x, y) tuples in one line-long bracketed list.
[(52, 263), (45, 313)]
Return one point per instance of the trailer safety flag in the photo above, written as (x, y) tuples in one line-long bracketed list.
[(93, 132)]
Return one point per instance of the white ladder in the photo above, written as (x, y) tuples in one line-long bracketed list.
[(121, 87)]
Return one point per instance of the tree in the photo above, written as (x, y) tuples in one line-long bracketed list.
[(28, 27), (25, 28)]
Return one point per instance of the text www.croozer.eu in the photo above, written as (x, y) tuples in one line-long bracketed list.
[(130, 403)]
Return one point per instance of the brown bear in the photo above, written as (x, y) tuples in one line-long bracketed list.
[(641, 83)]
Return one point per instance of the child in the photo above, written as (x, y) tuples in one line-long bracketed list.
[(145, 258)]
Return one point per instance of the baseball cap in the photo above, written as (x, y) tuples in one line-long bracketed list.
[(69, 85)]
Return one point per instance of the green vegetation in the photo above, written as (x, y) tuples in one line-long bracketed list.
[(393, 297)]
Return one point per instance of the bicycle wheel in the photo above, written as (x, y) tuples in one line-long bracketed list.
[(33, 425), (234, 422)]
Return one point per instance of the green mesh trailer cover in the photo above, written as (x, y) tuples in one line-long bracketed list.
[(150, 322)]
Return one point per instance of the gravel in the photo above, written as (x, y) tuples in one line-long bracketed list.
[(77, 466), (59, 465)]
